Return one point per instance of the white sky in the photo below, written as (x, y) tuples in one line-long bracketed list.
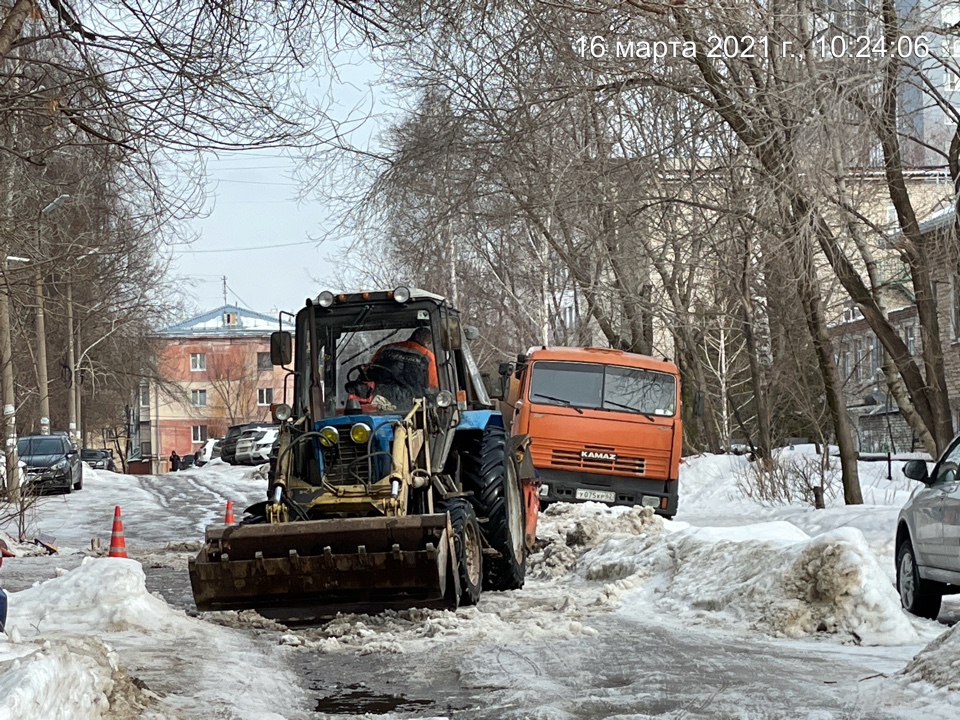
[(253, 196)]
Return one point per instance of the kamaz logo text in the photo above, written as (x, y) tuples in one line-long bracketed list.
[(590, 455)]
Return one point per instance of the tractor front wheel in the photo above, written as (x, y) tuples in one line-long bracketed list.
[(489, 471), (466, 539)]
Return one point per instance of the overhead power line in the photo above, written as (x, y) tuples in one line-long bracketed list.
[(259, 247)]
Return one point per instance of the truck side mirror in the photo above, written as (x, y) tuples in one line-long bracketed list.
[(470, 333), (506, 368), (698, 404), (281, 347)]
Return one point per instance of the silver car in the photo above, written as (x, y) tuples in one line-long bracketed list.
[(928, 535), (254, 445)]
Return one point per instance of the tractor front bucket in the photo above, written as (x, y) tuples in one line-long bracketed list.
[(302, 572)]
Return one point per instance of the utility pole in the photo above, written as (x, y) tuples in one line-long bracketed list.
[(71, 359), (9, 402), (42, 380)]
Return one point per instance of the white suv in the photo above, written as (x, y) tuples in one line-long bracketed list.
[(254, 445)]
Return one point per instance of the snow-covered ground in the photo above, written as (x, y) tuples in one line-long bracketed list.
[(767, 586)]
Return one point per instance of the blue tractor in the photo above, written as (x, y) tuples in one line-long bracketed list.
[(393, 483)]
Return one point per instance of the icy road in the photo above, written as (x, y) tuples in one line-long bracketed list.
[(734, 611)]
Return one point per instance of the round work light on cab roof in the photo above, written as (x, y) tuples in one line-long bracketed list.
[(325, 299), (401, 294)]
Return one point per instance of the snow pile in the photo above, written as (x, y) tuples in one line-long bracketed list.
[(107, 599), (565, 531), (771, 577), (73, 679), (78, 600), (938, 663)]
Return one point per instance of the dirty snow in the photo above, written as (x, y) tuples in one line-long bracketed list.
[(729, 565), (93, 642)]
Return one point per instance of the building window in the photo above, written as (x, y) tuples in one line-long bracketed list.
[(199, 433), (198, 398), (145, 449), (263, 361), (198, 362), (144, 396), (264, 396), (877, 353), (910, 339)]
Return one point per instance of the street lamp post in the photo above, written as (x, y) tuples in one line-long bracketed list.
[(42, 377)]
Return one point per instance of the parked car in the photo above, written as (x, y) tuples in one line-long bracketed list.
[(928, 563), (98, 459), (253, 447), (228, 447), (209, 451), (52, 463)]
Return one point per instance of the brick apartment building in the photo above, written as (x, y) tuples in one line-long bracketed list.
[(215, 372)]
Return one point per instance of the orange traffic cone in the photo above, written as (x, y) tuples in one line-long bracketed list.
[(229, 520), (118, 546)]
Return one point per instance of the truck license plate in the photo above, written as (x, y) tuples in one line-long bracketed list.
[(601, 495)]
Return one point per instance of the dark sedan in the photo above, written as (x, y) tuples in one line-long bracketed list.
[(98, 459), (52, 463)]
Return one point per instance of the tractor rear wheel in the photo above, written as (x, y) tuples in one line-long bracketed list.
[(488, 470), (466, 539)]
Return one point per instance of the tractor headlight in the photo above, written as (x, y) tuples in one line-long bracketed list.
[(360, 433), (401, 294), (282, 412), (445, 398), (325, 299), (329, 436)]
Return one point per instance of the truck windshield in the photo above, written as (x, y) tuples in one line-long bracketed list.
[(603, 387)]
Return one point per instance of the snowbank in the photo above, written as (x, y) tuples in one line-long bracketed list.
[(74, 679), (938, 663), (769, 577), (107, 599)]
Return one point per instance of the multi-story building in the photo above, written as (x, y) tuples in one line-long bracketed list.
[(214, 371), (859, 354)]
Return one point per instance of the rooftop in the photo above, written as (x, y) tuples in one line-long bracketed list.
[(225, 321)]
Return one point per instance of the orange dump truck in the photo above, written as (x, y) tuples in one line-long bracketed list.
[(604, 424)]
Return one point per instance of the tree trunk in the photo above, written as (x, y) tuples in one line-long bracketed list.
[(816, 324), (761, 406)]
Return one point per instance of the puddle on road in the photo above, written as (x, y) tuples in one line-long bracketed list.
[(358, 700)]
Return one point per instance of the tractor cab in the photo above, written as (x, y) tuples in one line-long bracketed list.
[(375, 353)]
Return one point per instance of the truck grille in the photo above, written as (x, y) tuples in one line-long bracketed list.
[(344, 465), (574, 460)]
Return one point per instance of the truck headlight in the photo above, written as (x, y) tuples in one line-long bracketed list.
[(329, 436), (360, 433)]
